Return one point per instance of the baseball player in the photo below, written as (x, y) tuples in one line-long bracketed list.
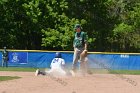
[(80, 45), (57, 67), (5, 58)]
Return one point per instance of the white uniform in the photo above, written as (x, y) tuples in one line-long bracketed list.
[(57, 67)]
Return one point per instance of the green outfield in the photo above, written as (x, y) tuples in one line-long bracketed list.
[(128, 72), (96, 71), (5, 78), (106, 71), (18, 69)]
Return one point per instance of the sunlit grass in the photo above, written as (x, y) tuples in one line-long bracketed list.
[(17, 69), (5, 78)]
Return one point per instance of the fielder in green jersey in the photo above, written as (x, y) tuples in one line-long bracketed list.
[(79, 44)]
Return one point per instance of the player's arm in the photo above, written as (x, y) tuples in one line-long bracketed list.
[(85, 46), (63, 64), (74, 42), (86, 41), (51, 63)]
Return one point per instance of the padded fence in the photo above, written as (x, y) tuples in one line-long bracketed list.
[(42, 59)]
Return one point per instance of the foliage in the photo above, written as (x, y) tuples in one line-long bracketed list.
[(111, 25)]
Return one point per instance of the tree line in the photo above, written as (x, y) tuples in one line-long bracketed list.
[(111, 25)]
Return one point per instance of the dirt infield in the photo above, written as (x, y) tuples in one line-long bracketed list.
[(96, 83)]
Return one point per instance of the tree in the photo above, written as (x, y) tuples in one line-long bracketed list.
[(58, 33), (111, 25), (126, 32)]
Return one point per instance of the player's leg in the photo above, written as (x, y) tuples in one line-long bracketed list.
[(6, 63), (56, 72), (2, 62), (62, 72), (83, 66), (39, 72), (50, 71), (86, 65), (59, 72), (83, 62), (75, 59)]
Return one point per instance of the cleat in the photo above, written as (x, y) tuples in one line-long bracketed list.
[(37, 72)]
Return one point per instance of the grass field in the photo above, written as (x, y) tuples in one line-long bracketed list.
[(18, 69), (5, 78), (129, 72), (96, 71), (105, 71)]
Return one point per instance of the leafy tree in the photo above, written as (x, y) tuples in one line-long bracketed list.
[(58, 33), (125, 28), (111, 25)]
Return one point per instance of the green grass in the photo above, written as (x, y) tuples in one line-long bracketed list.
[(128, 72), (5, 78), (106, 71), (94, 71), (18, 69)]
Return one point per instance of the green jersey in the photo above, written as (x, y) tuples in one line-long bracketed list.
[(80, 40), (5, 55)]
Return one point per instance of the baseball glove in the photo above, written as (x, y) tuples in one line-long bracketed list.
[(83, 54)]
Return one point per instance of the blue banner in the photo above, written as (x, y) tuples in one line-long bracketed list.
[(0, 57), (101, 61), (18, 57), (43, 59)]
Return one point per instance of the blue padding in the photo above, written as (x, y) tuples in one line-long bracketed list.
[(105, 61), (40, 59), (0, 58), (44, 59), (114, 61)]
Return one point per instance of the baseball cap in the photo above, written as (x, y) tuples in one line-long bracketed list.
[(77, 26), (58, 55)]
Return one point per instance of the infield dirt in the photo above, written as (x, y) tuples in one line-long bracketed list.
[(95, 83)]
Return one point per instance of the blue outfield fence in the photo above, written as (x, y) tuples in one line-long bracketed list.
[(101, 60)]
